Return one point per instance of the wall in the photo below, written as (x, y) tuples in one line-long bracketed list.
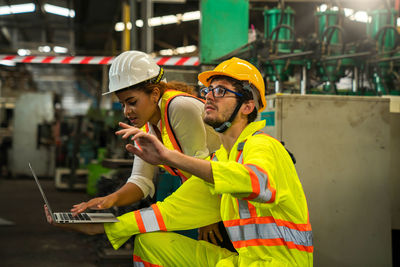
[(342, 147), (31, 109)]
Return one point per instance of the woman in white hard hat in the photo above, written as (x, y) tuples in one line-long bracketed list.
[(162, 109)]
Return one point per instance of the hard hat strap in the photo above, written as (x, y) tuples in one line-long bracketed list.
[(248, 86), (159, 77), (224, 126)]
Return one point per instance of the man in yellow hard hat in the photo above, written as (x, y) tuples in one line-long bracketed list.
[(250, 184)]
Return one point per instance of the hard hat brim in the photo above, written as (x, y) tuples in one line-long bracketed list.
[(205, 76)]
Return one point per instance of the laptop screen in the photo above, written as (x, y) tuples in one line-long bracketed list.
[(42, 192)]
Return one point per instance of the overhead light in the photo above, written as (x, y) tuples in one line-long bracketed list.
[(170, 1), (60, 49), (139, 23), (348, 12), (178, 50), (57, 10), (186, 49), (170, 19), (120, 26), (15, 9), (9, 63), (360, 16), (188, 16), (166, 52), (323, 7), (163, 20), (44, 49), (23, 52), (156, 21)]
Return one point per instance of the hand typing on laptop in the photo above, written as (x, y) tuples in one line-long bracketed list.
[(128, 194), (85, 228), (98, 203)]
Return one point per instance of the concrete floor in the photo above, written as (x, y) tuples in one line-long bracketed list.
[(31, 241)]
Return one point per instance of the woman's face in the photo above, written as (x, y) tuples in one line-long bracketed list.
[(139, 107)]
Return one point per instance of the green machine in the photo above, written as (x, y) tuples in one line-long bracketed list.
[(331, 66), (371, 63), (224, 27), (282, 56), (279, 31), (382, 30)]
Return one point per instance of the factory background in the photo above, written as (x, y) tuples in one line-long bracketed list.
[(333, 94)]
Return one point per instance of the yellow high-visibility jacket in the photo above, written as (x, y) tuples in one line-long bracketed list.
[(256, 193), (167, 133)]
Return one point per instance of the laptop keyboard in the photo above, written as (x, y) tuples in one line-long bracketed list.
[(80, 217)]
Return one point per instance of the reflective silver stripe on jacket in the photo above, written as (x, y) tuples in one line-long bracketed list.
[(138, 264), (149, 220), (265, 194), (269, 231), (244, 211)]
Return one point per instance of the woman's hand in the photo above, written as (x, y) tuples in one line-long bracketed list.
[(209, 233), (98, 203), (85, 228)]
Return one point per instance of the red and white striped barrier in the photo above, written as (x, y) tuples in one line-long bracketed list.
[(164, 61)]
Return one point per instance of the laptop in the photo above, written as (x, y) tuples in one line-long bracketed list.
[(66, 217)]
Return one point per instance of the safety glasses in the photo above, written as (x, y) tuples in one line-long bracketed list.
[(218, 91)]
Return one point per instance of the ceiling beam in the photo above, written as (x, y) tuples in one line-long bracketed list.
[(47, 36), (17, 21)]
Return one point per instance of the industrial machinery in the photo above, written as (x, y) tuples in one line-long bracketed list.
[(384, 68), (371, 63)]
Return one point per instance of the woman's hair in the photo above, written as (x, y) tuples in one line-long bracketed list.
[(173, 85)]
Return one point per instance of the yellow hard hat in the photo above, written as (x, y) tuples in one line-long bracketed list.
[(238, 69)]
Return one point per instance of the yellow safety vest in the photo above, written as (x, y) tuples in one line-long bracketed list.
[(267, 215), (167, 133)]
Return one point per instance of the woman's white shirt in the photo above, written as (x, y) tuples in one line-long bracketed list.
[(195, 138)]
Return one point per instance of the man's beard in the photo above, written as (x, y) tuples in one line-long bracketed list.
[(216, 122), (213, 123)]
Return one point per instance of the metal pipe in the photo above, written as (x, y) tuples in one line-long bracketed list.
[(133, 35), (385, 59), (277, 87), (147, 31), (303, 82), (125, 19), (355, 80), (361, 54), (300, 54)]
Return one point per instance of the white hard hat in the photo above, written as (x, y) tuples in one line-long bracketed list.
[(131, 68)]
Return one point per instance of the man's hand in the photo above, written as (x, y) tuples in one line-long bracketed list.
[(150, 148), (209, 233), (98, 203), (85, 228)]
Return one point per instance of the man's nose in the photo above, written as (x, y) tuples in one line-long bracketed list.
[(209, 95)]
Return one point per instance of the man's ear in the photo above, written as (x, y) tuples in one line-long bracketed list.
[(248, 107)]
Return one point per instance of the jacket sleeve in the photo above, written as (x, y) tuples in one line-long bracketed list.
[(189, 207), (256, 179)]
